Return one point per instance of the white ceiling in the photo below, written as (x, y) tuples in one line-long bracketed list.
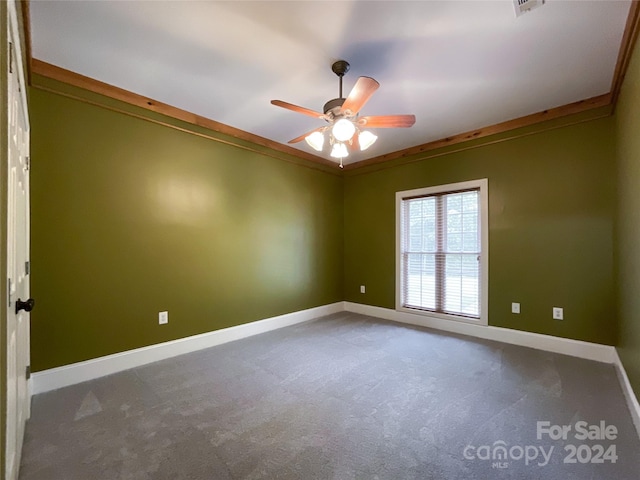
[(456, 65)]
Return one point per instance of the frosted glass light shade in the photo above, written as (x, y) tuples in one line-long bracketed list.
[(315, 141), (343, 130), (339, 150), (366, 139)]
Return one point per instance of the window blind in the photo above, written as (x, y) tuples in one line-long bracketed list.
[(440, 253)]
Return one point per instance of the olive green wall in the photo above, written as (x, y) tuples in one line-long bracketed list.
[(551, 205), (130, 218), (627, 119)]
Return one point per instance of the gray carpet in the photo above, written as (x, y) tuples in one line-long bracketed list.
[(343, 397)]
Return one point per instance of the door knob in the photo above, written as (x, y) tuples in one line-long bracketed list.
[(27, 305)]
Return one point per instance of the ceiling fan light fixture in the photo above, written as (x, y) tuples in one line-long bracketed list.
[(315, 141), (339, 150), (366, 139), (343, 130)]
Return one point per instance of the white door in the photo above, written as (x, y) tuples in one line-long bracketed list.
[(18, 304)]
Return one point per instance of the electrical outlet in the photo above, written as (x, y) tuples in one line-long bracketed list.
[(558, 313), (163, 317), (363, 289), (515, 307)]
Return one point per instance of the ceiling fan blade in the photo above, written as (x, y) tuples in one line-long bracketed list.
[(296, 108), (360, 94), (387, 121), (304, 135), (354, 144)]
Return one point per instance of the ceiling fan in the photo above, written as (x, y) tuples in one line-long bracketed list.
[(346, 127)]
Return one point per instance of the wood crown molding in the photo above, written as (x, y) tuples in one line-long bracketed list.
[(526, 121), (627, 45), (95, 86), (628, 42)]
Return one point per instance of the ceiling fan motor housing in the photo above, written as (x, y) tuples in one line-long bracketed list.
[(332, 107)]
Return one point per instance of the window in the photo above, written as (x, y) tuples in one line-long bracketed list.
[(442, 236)]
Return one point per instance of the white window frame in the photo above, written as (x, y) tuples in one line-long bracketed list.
[(483, 185)]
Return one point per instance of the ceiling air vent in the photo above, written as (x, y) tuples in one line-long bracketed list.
[(523, 6)]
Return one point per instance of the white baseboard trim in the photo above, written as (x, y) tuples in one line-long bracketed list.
[(66, 375), (566, 346), (629, 394)]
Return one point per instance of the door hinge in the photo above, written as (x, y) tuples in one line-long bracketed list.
[(28, 162), (10, 57), (27, 373), (9, 291), (27, 268)]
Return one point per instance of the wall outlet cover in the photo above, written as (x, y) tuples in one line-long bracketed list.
[(515, 307), (558, 313), (363, 289), (163, 318)]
